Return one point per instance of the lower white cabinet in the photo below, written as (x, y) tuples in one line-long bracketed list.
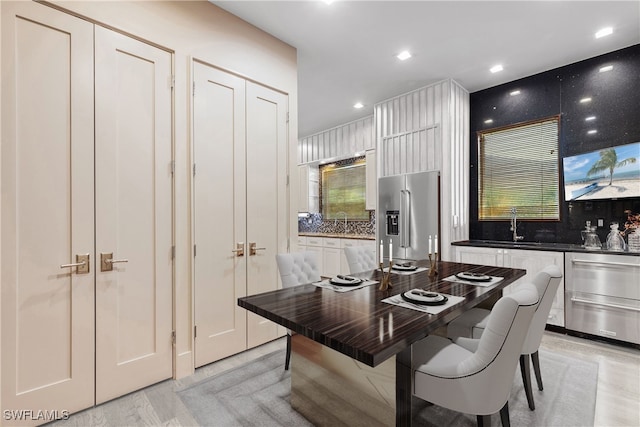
[(330, 252), (532, 261)]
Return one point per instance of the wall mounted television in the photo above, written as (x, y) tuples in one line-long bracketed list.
[(609, 173)]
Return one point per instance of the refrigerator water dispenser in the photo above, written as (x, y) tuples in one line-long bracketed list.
[(392, 223)]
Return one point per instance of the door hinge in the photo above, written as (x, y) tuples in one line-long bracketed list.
[(194, 88), (194, 169), (288, 244), (173, 166), (173, 252), (172, 81), (195, 332), (287, 117), (173, 337), (194, 250), (287, 179)]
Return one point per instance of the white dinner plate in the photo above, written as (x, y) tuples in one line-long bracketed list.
[(420, 296), (474, 277), (404, 267), (345, 281)]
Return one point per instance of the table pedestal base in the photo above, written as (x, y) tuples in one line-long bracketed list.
[(331, 389)]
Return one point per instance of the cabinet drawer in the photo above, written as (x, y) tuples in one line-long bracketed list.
[(330, 242), (603, 316), (315, 241), (302, 241), (611, 275)]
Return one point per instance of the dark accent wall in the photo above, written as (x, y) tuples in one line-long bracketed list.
[(616, 104)]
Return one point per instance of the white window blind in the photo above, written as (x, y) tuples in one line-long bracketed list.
[(518, 167), (343, 191)]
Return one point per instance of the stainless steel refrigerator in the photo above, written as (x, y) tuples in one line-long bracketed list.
[(408, 213)]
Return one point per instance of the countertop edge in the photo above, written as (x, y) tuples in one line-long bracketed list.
[(534, 246)]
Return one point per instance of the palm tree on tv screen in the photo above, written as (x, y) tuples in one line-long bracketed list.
[(609, 161)]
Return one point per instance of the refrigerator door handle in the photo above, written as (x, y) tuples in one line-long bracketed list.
[(405, 241)]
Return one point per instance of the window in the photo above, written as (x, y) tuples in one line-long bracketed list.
[(518, 167), (343, 190)]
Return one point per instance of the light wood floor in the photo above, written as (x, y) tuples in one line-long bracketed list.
[(617, 397)]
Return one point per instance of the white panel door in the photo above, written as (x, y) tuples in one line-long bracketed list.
[(133, 214), (267, 214), (219, 213), (47, 210)]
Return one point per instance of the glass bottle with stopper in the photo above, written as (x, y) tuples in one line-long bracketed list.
[(615, 242)]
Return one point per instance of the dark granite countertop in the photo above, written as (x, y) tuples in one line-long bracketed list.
[(537, 246), (340, 235)]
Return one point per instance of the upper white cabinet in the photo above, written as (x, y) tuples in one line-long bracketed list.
[(339, 142), (371, 192), (309, 194)]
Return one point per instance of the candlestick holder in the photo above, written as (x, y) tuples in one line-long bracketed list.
[(433, 265), (385, 283)]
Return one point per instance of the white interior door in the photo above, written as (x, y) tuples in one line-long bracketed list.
[(133, 214), (47, 210), (219, 213), (267, 213)]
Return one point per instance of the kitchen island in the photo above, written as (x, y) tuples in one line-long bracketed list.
[(358, 328)]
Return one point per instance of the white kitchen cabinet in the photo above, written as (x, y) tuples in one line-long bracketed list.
[(532, 261), (309, 188), (314, 244), (302, 243), (371, 191), (331, 256)]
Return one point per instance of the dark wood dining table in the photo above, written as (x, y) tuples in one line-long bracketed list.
[(349, 322)]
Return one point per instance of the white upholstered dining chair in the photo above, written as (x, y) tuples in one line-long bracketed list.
[(472, 323), (295, 269), (360, 258), (474, 376)]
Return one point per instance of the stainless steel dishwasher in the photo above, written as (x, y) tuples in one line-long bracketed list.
[(602, 295)]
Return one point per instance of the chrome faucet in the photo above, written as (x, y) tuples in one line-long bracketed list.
[(335, 223), (514, 225)]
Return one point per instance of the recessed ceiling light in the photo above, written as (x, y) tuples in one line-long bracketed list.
[(358, 105), (488, 121), (606, 68), (328, 1), (405, 54), (584, 100), (514, 93), (590, 118), (496, 68), (592, 131), (604, 32)]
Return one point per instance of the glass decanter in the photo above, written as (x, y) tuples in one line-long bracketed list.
[(615, 242)]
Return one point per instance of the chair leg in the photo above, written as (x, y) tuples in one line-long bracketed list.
[(484, 420), (536, 369), (525, 369), (286, 362), (504, 415)]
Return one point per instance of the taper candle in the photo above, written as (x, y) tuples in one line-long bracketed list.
[(390, 251), (436, 245), (381, 252), (429, 244)]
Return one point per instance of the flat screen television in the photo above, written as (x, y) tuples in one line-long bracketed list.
[(610, 173)]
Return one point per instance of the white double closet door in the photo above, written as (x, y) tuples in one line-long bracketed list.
[(83, 175), (241, 195)]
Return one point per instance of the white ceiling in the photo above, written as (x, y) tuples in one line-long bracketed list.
[(346, 50)]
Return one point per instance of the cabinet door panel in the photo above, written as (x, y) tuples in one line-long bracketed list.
[(47, 209)]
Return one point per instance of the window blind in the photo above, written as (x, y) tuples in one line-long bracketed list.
[(518, 167), (343, 191)]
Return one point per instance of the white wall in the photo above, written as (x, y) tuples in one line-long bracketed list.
[(199, 30)]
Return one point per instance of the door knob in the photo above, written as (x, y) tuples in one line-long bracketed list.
[(107, 261), (81, 265), (239, 250), (253, 249)]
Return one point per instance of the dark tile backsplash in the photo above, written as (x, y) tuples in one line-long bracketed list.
[(315, 224), (616, 104)]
